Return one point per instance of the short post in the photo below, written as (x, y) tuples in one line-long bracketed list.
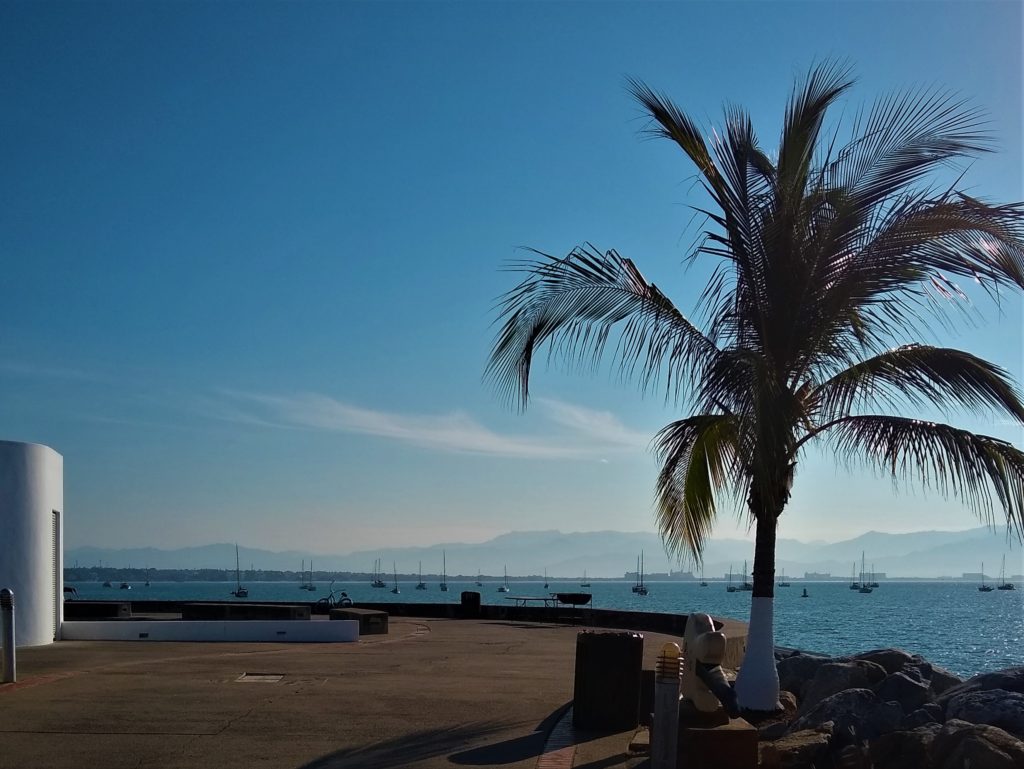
[(666, 708), (10, 674)]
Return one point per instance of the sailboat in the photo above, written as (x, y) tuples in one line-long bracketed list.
[(377, 581), (421, 585), (747, 585), (395, 589), (864, 586), (703, 582), (309, 585), (1003, 584), (444, 573), (872, 583), (504, 588), (640, 588), (236, 559), (585, 582), (730, 588), (545, 579), (479, 579), (854, 584), (782, 581), (239, 591), (983, 588)]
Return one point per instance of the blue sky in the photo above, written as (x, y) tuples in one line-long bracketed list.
[(251, 251)]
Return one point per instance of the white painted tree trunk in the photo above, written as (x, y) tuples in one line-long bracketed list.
[(757, 685)]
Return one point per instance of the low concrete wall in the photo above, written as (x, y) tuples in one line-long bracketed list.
[(279, 631)]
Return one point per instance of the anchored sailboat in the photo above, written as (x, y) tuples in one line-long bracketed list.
[(865, 586), (504, 588), (395, 589), (747, 585), (377, 574), (444, 574), (640, 588), (421, 585), (983, 588), (1003, 584), (239, 591)]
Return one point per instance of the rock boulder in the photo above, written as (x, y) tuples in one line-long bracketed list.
[(892, 660), (853, 710), (995, 707), (834, 677), (795, 751), (906, 689), (797, 670), (902, 750), (1008, 679), (978, 746)]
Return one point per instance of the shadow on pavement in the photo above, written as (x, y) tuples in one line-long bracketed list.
[(407, 749), (516, 749), (431, 743)]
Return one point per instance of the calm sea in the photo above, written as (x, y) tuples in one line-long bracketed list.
[(950, 623)]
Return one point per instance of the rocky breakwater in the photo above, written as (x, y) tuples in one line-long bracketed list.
[(887, 709)]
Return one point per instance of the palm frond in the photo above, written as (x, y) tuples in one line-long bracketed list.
[(870, 294), (973, 468), (921, 238), (805, 114), (905, 136), (699, 462), (920, 375), (742, 172), (573, 304), (672, 123)]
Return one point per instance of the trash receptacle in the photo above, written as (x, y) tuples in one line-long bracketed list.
[(470, 604), (606, 691)]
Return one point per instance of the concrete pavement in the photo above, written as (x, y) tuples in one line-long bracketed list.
[(431, 693)]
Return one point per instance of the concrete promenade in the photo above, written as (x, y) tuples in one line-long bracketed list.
[(431, 693)]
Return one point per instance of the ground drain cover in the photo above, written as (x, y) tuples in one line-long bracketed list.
[(259, 678)]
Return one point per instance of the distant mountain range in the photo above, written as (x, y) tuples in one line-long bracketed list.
[(605, 554)]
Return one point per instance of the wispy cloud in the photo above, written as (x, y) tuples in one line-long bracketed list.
[(578, 432)]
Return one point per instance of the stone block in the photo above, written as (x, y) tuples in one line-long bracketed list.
[(730, 746), (371, 621)]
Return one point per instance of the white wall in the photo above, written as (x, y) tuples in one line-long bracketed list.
[(31, 490), (279, 631)]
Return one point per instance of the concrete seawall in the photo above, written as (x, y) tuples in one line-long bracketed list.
[(614, 619)]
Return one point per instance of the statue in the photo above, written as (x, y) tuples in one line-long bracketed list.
[(704, 685)]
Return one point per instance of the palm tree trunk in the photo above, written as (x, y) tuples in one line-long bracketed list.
[(757, 686)]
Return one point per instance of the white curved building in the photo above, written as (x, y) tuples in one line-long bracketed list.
[(31, 539)]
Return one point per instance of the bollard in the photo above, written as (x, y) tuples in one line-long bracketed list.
[(10, 674), (665, 731)]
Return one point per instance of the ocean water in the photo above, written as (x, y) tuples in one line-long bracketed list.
[(950, 623)]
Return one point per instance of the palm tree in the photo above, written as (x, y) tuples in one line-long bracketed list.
[(830, 256)]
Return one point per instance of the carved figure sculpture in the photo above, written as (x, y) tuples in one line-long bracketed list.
[(704, 683)]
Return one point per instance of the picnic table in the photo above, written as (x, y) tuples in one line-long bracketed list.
[(572, 604), (526, 600)]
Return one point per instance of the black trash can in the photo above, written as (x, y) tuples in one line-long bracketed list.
[(606, 692), (470, 604)]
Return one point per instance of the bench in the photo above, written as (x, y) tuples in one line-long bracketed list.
[(371, 621)]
